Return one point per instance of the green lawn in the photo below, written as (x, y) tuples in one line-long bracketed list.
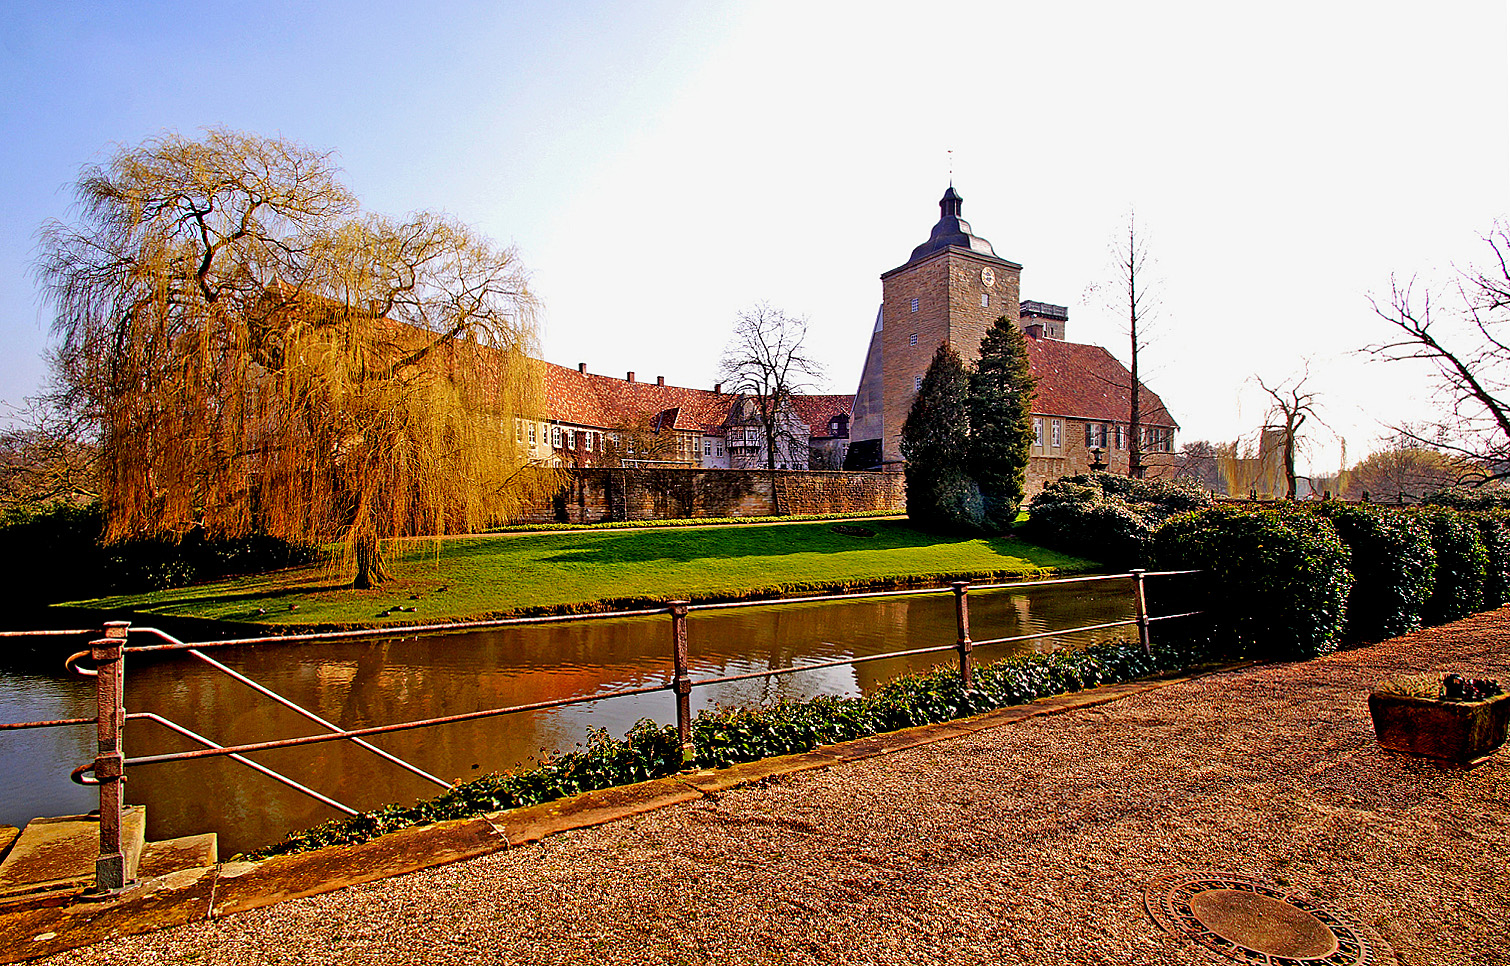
[(539, 572)]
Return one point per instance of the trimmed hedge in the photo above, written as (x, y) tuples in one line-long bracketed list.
[(1275, 584), (1494, 530), (1462, 565), (1394, 568), (1106, 517)]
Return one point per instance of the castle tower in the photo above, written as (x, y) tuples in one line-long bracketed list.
[(951, 290)]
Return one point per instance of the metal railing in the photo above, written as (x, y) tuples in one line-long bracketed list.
[(107, 655)]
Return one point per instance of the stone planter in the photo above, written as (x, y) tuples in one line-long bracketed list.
[(1465, 732)]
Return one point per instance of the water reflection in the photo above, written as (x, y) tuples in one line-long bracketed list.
[(363, 684)]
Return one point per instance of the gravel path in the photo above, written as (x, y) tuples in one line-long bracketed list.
[(1023, 844)]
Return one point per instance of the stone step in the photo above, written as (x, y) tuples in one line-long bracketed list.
[(56, 855), (175, 855)]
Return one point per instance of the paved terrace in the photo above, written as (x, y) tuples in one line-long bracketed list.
[(1028, 841)]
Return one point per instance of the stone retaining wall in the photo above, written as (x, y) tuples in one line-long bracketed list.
[(598, 495)]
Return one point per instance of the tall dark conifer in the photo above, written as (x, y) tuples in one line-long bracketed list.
[(936, 444), (1001, 430)]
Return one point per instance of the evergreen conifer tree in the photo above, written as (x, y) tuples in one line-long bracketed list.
[(936, 445), (1001, 429)]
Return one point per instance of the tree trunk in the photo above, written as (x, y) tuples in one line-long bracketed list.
[(370, 569)]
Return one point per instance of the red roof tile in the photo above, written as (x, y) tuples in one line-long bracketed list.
[(816, 411), (602, 402), (1087, 382)]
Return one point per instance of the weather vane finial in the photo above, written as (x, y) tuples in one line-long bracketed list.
[(951, 167)]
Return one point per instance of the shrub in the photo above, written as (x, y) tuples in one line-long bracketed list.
[(1493, 497), (1107, 517), (1494, 530), (1393, 565), (1462, 565), (64, 559), (1274, 584)]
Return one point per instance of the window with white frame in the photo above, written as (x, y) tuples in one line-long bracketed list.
[(532, 434), (912, 339), (1056, 433), (556, 436), (914, 305), (1121, 436), (985, 300), (1037, 431), (917, 383)]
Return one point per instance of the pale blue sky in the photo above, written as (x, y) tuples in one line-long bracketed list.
[(661, 165)]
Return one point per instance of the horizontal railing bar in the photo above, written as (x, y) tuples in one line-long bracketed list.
[(819, 598), (1067, 630), (91, 630), (305, 712), (47, 724), (177, 645), (255, 766), (1170, 617), (1046, 582), (389, 729), (823, 664)]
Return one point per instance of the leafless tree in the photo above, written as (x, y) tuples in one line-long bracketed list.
[(766, 362), (1460, 331), (257, 356), (1132, 291), (1404, 470), (1201, 461), (46, 458), (1291, 405)]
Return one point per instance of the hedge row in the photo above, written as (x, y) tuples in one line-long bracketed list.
[(1294, 580), (725, 736), (57, 555), (1108, 517)]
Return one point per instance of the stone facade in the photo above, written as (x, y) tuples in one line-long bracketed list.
[(598, 495)]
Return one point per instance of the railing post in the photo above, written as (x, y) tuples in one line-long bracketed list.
[(962, 624), (109, 770), (683, 683), (1140, 608)]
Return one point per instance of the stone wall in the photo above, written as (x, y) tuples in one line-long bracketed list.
[(599, 495)]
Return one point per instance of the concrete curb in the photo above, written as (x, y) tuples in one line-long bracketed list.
[(44, 928)]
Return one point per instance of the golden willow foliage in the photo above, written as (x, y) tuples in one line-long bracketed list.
[(261, 357)]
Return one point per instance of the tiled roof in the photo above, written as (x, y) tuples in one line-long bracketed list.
[(816, 411), (603, 402), (1074, 380), (1087, 382)]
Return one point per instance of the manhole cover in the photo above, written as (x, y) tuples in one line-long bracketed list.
[(1252, 922)]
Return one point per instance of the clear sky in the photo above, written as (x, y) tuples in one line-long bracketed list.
[(661, 165)]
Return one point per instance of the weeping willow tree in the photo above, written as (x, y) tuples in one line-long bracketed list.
[(258, 356)]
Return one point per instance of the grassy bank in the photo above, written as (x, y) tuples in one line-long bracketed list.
[(534, 573)]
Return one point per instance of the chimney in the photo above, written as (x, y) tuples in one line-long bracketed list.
[(660, 380), (718, 388), (1034, 330), (629, 378), (582, 368)]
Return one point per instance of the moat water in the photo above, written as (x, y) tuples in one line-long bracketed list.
[(378, 682)]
